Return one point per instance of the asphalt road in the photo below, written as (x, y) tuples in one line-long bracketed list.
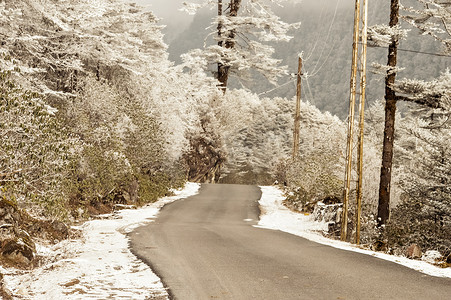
[(205, 247)]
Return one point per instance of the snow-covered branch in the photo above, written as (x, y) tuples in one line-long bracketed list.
[(433, 19), (434, 94), (384, 35)]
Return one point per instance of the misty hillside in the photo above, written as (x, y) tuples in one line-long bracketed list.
[(326, 40)]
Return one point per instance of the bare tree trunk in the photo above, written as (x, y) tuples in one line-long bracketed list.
[(383, 212), (224, 70)]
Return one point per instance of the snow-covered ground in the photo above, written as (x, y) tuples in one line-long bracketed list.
[(100, 266), (276, 216)]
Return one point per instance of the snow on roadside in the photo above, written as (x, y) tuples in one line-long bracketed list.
[(100, 266), (277, 217)]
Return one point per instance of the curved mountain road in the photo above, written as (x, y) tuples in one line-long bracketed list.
[(205, 247)]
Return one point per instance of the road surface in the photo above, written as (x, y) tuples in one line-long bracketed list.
[(205, 247)]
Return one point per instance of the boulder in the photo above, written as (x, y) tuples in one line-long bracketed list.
[(414, 251), (19, 251), (379, 246)]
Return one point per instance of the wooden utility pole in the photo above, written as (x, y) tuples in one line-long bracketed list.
[(347, 188), (297, 116), (361, 120)]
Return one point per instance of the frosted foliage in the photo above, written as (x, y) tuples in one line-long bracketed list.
[(317, 171), (133, 33), (424, 215), (35, 152), (258, 135), (434, 94), (243, 40), (373, 139), (256, 56), (384, 70), (114, 39), (174, 99), (433, 18), (72, 35), (104, 65), (384, 35)]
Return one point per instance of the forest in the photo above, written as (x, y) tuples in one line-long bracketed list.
[(97, 112)]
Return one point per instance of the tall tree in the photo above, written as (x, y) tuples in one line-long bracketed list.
[(428, 94), (228, 42), (241, 31), (383, 211)]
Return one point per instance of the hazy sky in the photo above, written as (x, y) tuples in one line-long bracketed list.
[(166, 9), (177, 21), (169, 9)]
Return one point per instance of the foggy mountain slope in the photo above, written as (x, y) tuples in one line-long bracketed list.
[(327, 54)]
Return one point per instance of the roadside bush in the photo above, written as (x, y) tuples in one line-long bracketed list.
[(424, 215), (36, 151)]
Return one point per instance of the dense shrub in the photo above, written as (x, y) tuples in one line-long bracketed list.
[(36, 151)]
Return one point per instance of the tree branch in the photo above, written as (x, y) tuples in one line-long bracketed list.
[(422, 101)]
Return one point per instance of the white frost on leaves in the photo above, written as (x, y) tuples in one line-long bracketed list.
[(384, 70), (384, 35), (277, 217), (435, 93), (50, 110), (246, 36), (100, 266), (432, 18)]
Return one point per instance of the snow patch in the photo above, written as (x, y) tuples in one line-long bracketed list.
[(278, 217), (101, 266)]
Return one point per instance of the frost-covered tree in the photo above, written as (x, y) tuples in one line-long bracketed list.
[(430, 94), (433, 18), (258, 136), (435, 94), (78, 36), (241, 30), (314, 174), (424, 215), (104, 65)]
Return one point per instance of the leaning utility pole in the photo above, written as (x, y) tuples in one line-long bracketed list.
[(361, 120), (347, 188), (297, 116)]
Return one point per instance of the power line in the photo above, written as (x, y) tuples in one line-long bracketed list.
[(318, 33), (412, 51), (277, 87), (327, 38)]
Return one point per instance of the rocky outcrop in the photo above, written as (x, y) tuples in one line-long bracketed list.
[(329, 211), (18, 231), (17, 248)]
